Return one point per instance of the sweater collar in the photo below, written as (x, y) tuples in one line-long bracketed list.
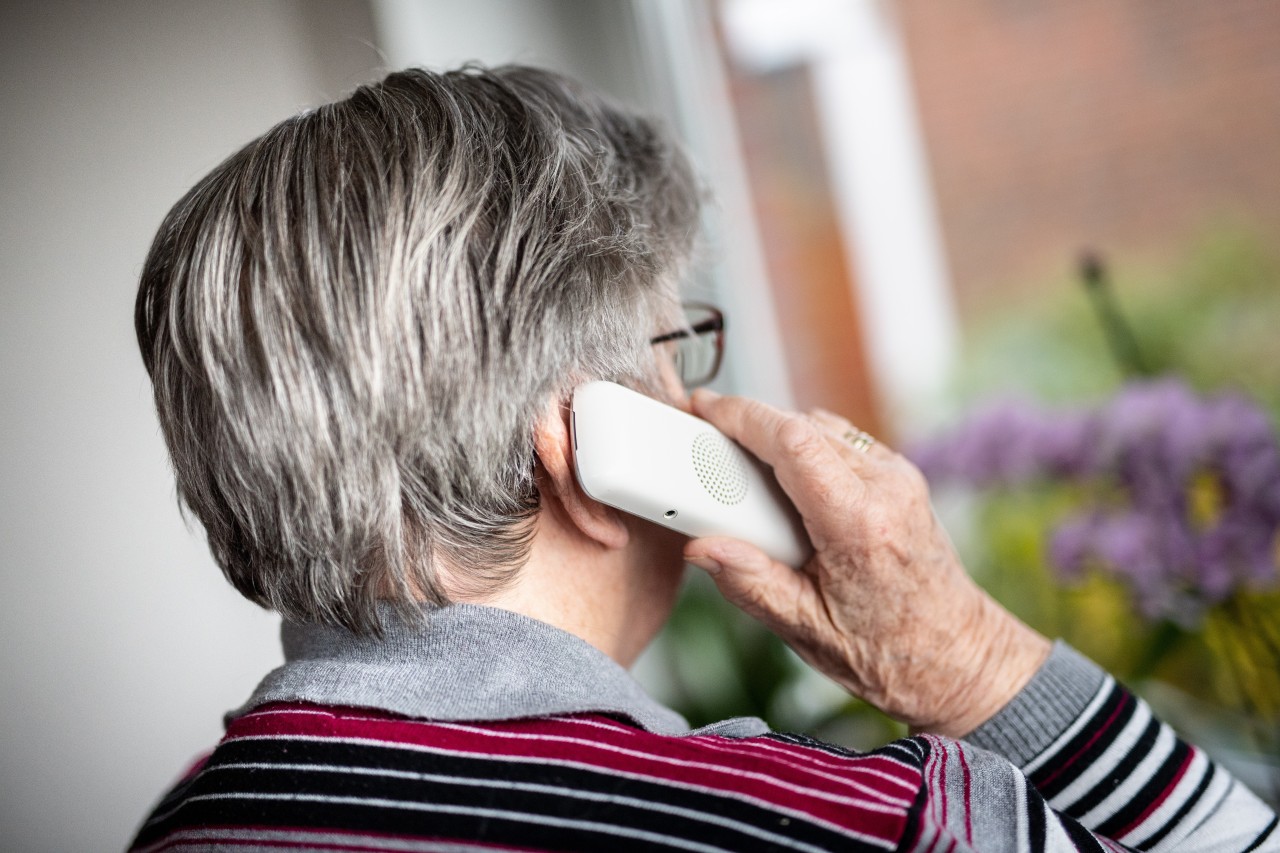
[(465, 662)]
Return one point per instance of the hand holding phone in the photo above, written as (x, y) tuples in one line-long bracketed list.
[(654, 461), (885, 607)]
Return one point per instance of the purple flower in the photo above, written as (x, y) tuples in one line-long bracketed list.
[(1006, 443), (1071, 546), (1198, 481), (1065, 444)]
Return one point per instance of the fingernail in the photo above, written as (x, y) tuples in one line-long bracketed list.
[(707, 564)]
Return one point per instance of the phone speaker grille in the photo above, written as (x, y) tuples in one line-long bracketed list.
[(721, 468)]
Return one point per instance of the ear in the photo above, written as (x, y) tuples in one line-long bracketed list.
[(553, 442)]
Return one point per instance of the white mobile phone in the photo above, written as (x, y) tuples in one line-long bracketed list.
[(659, 463)]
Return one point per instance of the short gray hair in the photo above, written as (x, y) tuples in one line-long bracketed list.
[(353, 323)]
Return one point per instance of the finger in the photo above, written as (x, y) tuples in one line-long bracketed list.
[(839, 433), (843, 427), (809, 469), (770, 591), (828, 416)]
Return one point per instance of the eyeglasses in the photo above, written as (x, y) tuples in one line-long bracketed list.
[(699, 346)]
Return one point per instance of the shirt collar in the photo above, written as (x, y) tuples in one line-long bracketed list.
[(465, 662)]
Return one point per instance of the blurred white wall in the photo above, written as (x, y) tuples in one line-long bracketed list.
[(880, 183), (122, 645)]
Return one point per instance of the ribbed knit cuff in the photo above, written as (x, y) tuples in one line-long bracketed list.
[(1055, 698)]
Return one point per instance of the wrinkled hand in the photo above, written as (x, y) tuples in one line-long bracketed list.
[(884, 607)]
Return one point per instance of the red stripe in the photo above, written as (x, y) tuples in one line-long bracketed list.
[(859, 779), (1164, 795), (866, 767), (906, 773), (648, 759), (1120, 706)]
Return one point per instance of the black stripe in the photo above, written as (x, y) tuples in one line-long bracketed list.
[(796, 739), (1036, 827), (1182, 812), (1266, 833), (170, 800), (1082, 838), (495, 793), (915, 815), (508, 829), (1154, 787), (1051, 785), (915, 748), (294, 814), (1119, 773)]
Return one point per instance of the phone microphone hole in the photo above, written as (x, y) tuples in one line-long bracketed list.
[(671, 513)]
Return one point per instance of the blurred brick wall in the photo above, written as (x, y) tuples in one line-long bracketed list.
[(1128, 125)]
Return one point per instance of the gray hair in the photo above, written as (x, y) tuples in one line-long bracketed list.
[(353, 323)]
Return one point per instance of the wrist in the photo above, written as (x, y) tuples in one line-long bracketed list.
[(1005, 659)]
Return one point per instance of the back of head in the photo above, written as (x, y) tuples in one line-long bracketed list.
[(352, 324)]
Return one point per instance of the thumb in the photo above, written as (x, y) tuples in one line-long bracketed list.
[(770, 591)]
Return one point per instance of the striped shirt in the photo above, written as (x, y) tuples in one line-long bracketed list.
[(1075, 762)]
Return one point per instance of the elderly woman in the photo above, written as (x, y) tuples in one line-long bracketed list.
[(362, 331)]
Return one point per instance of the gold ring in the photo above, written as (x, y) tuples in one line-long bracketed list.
[(860, 439)]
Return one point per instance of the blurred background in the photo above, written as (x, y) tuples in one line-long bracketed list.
[(1033, 243)]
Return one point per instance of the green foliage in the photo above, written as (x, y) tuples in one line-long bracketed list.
[(716, 662), (1209, 316)]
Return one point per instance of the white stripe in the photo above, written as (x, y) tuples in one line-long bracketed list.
[(1065, 738), (1095, 771), (1214, 798), (875, 792), (291, 840), (476, 811), (1161, 749), (751, 746), (560, 762), (617, 728), (1177, 798), (1021, 817), (911, 747), (270, 711), (557, 790), (852, 767), (158, 818), (680, 762)]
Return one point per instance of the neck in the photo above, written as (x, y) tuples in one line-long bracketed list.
[(617, 599)]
